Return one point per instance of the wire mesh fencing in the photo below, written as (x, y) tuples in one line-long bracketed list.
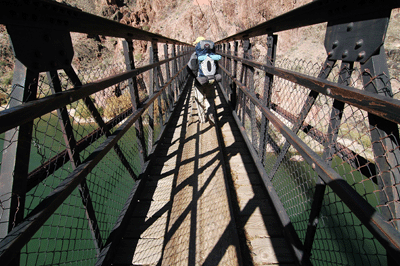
[(346, 137), (67, 137)]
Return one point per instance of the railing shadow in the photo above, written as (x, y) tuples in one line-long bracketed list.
[(188, 237), (260, 204)]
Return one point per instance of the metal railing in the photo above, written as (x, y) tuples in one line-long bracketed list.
[(325, 137), (76, 140)]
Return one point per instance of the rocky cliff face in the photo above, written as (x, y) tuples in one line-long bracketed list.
[(185, 20)]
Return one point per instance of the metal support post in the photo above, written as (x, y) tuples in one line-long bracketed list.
[(223, 81), (70, 142), (243, 80), (234, 74), (16, 155), (179, 67), (174, 71), (99, 120), (150, 137), (134, 93), (249, 83), (329, 150), (158, 80), (170, 98), (272, 41), (228, 84)]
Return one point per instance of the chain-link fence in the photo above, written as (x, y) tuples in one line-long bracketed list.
[(68, 137), (360, 147)]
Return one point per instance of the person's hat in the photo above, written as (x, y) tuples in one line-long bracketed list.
[(198, 40)]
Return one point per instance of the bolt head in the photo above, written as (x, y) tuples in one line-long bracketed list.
[(350, 26), (359, 43), (361, 55)]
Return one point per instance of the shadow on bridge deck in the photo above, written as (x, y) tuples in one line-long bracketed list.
[(204, 202)]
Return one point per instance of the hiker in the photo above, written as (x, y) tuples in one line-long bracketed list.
[(203, 67)]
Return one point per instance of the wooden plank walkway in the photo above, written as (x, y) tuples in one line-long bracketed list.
[(259, 228), (186, 215)]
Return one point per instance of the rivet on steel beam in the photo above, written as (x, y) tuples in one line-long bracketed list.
[(350, 26), (335, 44), (359, 43), (361, 55), (330, 54), (345, 54)]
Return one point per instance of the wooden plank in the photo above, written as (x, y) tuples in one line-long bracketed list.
[(200, 230), (270, 251), (262, 226), (256, 216)]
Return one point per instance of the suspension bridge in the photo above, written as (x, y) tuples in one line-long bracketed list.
[(114, 165)]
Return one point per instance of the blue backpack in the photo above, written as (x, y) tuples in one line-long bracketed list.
[(206, 56)]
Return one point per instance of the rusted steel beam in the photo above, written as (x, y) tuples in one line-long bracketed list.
[(170, 100), (99, 120), (365, 167), (56, 162), (272, 41), (385, 233), (135, 99), (16, 155), (340, 11), (329, 151), (379, 105), (23, 113), (46, 14), (22, 233), (69, 139)]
